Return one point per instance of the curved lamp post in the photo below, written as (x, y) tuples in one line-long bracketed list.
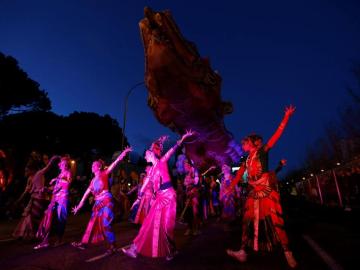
[(125, 110)]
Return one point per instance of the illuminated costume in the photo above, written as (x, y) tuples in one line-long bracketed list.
[(145, 204), (56, 214), (262, 225), (99, 227), (33, 212), (192, 198), (227, 200), (58, 207), (156, 236)]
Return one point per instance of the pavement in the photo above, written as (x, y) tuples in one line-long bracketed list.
[(319, 238)]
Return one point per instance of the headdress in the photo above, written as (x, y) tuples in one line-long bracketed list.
[(158, 145)]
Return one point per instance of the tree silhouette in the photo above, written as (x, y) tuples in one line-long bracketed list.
[(19, 93)]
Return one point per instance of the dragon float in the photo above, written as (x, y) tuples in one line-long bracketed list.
[(184, 91)]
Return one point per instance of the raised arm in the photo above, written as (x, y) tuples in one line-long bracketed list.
[(275, 137), (208, 170), (47, 167), (172, 150), (117, 160)]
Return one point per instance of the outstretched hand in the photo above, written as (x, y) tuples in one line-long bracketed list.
[(127, 149), (283, 162), (188, 134), (76, 209), (290, 110)]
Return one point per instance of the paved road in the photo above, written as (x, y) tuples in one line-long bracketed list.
[(319, 239)]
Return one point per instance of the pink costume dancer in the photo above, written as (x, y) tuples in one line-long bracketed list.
[(99, 226), (33, 212), (156, 236), (146, 200), (57, 209)]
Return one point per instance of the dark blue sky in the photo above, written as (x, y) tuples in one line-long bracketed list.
[(86, 54)]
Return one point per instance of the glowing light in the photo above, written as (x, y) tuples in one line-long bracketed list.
[(322, 170), (72, 161), (311, 174), (338, 164), (303, 178)]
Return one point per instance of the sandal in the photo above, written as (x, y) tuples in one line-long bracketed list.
[(239, 255), (78, 245), (42, 245)]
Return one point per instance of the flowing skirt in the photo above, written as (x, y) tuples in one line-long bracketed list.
[(228, 208), (143, 209), (30, 220), (263, 225), (55, 218), (156, 236), (99, 227)]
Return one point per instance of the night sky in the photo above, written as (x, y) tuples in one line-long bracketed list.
[(87, 54)]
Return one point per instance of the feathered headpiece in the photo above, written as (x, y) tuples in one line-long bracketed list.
[(158, 145)]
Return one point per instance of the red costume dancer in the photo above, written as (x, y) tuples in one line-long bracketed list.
[(57, 209), (99, 226), (146, 199), (33, 212), (192, 198), (262, 222), (156, 236)]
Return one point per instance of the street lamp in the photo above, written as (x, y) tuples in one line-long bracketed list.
[(125, 110)]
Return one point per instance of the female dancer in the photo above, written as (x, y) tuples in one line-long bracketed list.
[(146, 199), (57, 209), (262, 222), (192, 198), (33, 212), (227, 196), (99, 226), (156, 236)]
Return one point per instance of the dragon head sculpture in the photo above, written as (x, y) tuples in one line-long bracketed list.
[(184, 92)]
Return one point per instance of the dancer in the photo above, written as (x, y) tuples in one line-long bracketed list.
[(156, 236), (262, 225), (99, 226), (33, 212), (227, 197), (146, 199), (192, 198), (56, 213)]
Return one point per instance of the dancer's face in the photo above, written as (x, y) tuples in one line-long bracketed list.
[(63, 165), (225, 169), (246, 145), (96, 167)]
